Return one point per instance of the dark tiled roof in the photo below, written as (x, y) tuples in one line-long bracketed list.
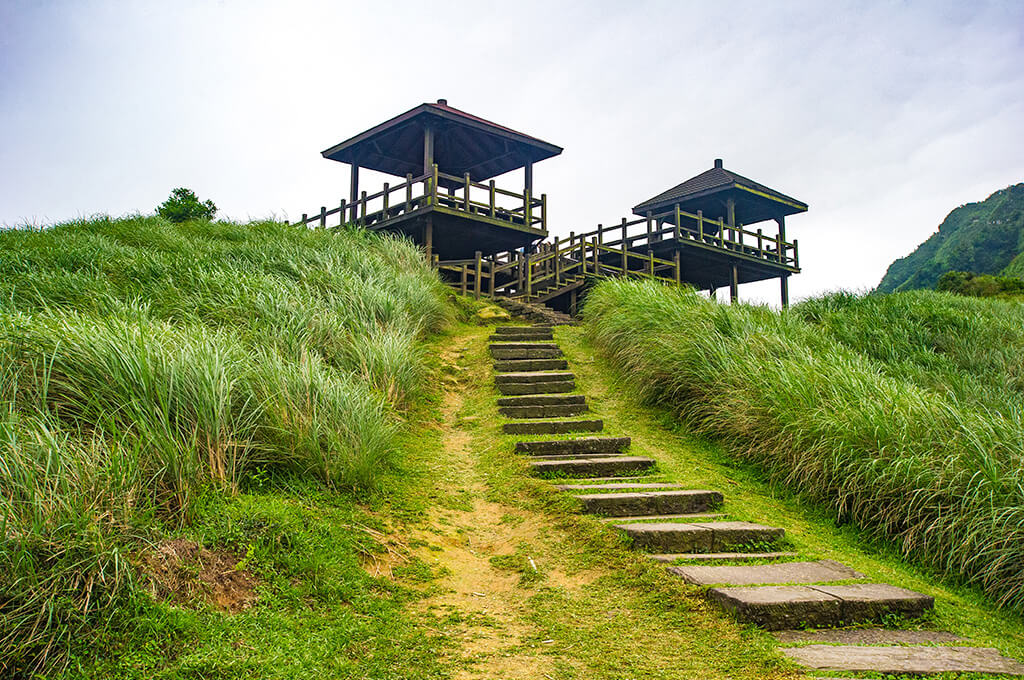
[(709, 182)]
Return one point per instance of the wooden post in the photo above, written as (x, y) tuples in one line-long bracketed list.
[(323, 216), (730, 212), (781, 237), (648, 227), (700, 226), (558, 265), (433, 186), (679, 272), (428, 150), (362, 208), (734, 285), (721, 233), (597, 262), (650, 261), (796, 253), (529, 278), (428, 236), (465, 199), (384, 210), (600, 233), (476, 278), (490, 277), (353, 190), (784, 279), (526, 208), (493, 208), (305, 218), (625, 250), (528, 178), (544, 212), (678, 223), (408, 192), (760, 244)]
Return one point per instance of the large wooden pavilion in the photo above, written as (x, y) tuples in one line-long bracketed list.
[(444, 156)]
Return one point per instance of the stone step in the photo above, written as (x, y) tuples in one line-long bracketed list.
[(543, 400), (537, 387), (591, 466), (821, 571), (554, 411), (711, 557), (534, 376), (645, 518), (636, 478), (631, 504), (867, 636), (522, 330), (553, 427), (904, 660), (669, 537), (619, 487), (537, 352), (495, 346), (782, 607), (516, 365), (566, 456), (544, 334), (574, 446)]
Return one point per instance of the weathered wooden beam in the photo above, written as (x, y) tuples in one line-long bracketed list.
[(678, 269), (477, 279), (428, 149), (734, 285), (784, 279), (353, 190)]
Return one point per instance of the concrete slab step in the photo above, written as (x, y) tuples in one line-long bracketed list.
[(525, 351), (574, 446), (543, 400), (566, 456), (591, 466), (821, 571), (623, 486), (782, 607), (908, 660), (669, 537), (543, 334), (670, 502), (534, 376), (514, 365), (537, 387), (553, 411), (711, 557), (685, 516), (522, 330), (553, 427), (867, 636)]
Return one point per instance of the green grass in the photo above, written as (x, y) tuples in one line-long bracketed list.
[(149, 369), (901, 414)]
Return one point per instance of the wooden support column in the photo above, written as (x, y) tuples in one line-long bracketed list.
[(477, 276), (730, 217), (428, 149), (353, 191), (428, 236), (679, 273), (528, 177), (781, 239), (784, 280), (734, 285)]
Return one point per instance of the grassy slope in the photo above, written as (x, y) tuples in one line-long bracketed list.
[(148, 371), (750, 495), (980, 237), (901, 414)]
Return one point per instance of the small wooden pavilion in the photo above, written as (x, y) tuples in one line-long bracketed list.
[(712, 214), (445, 198)]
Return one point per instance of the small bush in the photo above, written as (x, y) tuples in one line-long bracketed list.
[(183, 205)]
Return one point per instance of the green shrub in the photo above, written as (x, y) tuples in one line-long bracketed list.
[(183, 205), (980, 285), (902, 413)]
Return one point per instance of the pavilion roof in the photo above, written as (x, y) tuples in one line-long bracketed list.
[(462, 143), (709, 191)]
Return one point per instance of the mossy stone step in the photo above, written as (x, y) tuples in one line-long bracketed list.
[(825, 606), (647, 503), (534, 352), (544, 334), (632, 486), (910, 660), (553, 427), (711, 557), (646, 518), (591, 466), (522, 365), (537, 387), (553, 411), (668, 537), (533, 376), (866, 636), (820, 571), (522, 330), (543, 400), (572, 446)]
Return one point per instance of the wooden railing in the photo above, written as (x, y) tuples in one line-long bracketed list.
[(462, 195)]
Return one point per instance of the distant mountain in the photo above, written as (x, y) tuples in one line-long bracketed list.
[(984, 238)]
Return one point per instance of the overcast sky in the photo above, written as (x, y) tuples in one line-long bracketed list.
[(881, 116)]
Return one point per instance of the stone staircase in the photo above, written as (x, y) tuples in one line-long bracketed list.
[(744, 567)]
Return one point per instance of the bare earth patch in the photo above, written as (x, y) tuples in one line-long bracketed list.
[(181, 571)]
